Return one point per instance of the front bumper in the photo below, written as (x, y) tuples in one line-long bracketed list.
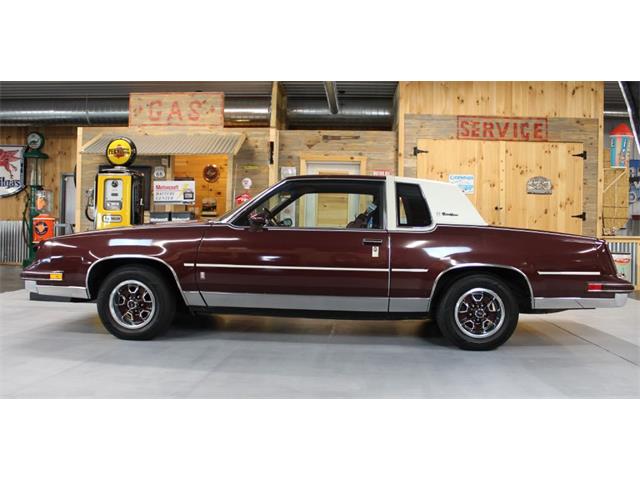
[(62, 291), (568, 303)]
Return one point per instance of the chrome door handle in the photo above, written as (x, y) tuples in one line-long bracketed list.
[(371, 241)]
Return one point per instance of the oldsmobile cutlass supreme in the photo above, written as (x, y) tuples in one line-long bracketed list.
[(358, 245)]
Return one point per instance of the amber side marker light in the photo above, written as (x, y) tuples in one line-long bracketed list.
[(55, 276)]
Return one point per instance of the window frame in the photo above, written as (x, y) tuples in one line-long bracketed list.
[(392, 192), (267, 194)]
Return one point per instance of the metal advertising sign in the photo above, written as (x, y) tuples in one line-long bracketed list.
[(539, 186), (182, 192), (623, 264), (185, 109), (465, 182), (12, 169), (519, 129)]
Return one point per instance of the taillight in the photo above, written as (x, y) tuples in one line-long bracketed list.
[(594, 287)]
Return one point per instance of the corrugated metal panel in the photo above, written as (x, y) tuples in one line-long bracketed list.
[(613, 99), (630, 248), (345, 89), (209, 143), (122, 89), (12, 246)]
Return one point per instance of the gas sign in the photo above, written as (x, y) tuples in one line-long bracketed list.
[(12, 169)]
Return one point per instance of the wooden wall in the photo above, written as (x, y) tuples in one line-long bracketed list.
[(252, 161), (575, 112), (380, 148), (60, 145)]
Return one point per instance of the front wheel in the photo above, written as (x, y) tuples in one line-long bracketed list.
[(135, 303), (478, 312)]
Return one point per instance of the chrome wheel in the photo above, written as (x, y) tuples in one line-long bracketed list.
[(132, 304), (479, 313)]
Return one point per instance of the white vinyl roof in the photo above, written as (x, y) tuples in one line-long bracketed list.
[(447, 203)]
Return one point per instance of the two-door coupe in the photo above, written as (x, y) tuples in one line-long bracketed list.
[(334, 245)]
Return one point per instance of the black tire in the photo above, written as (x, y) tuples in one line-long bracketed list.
[(153, 296), (477, 326)]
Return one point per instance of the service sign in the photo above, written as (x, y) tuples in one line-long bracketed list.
[(518, 129), (186, 109), (12, 169), (182, 192)]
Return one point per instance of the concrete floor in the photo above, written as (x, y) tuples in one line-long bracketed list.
[(61, 350)]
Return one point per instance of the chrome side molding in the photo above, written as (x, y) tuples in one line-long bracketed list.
[(56, 290), (296, 302), (561, 272), (284, 267), (618, 300)]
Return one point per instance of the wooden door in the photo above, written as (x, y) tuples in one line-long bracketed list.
[(466, 157), (555, 161), (501, 171)]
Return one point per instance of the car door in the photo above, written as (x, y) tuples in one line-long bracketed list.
[(306, 261)]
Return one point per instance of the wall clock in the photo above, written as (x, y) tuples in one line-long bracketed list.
[(211, 173)]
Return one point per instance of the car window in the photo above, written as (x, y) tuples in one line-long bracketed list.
[(412, 208), (323, 204)]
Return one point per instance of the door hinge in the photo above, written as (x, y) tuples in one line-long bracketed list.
[(416, 151), (582, 155), (583, 216)]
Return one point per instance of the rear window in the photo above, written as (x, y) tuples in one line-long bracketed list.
[(412, 208)]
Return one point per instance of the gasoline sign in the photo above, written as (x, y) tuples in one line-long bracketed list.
[(12, 169), (121, 152)]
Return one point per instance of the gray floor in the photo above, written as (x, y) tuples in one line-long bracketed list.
[(54, 350), (10, 278)]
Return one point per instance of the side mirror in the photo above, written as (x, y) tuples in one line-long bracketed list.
[(258, 220)]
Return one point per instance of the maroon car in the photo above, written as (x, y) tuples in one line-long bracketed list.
[(334, 245)]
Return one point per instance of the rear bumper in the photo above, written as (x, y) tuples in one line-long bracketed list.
[(62, 291), (542, 303)]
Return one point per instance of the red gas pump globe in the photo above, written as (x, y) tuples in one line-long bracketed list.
[(621, 144), (245, 197)]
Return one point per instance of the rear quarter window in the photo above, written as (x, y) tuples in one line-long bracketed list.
[(412, 208)]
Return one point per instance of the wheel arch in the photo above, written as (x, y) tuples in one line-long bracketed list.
[(510, 275), (101, 268)]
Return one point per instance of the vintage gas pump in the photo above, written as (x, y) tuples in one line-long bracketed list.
[(38, 224), (119, 190)]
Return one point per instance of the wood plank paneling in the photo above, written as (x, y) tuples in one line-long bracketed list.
[(555, 161), (480, 159), (60, 145), (193, 166), (561, 130), (379, 148), (522, 99), (575, 112)]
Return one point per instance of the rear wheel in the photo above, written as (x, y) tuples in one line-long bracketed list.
[(135, 303), (478, 312)]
